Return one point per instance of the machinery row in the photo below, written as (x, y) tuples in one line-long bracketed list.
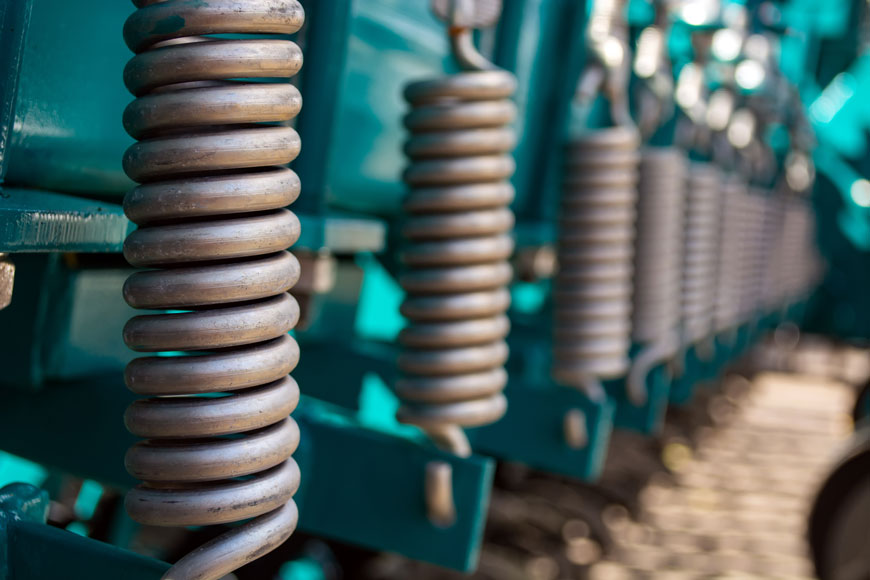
[(512, 229)]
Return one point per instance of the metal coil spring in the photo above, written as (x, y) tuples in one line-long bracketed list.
[(801, 264), (753, 258), (657, 262), (458, 225), (658, 248), (772, 295), (212, 232), (593, 287), (700, 250), (727, 309)]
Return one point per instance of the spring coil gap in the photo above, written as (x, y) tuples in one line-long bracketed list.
[(593, 287), (657, 262), (213, 236), (700, 252), (457, 224)]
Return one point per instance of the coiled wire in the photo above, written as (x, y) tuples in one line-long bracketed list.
[(212, 234), (753, 255), (801, 263), (657, 262), (728, 281), (772, 294), (593, 287), (700, 252), (458, 226)]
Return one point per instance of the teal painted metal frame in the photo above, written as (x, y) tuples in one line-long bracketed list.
[(359, 485)]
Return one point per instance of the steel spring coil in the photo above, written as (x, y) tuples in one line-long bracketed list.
[(213, 235), (593, 287), (801, 264), (752, 276), (727, 309), (458, 226), (658, 248), (657, 261), (772, 295), (700, 252)]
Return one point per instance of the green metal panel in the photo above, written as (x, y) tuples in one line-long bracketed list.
[(542, 43), (532, 431), (368, 487), (14, 20), (40, 551), (32, 550), (392, 43), (325, 37), (68, 134)]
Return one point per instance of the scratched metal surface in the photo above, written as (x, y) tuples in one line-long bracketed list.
[(34, 221), (40, 221)]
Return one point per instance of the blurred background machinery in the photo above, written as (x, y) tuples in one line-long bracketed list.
[(530, 239)]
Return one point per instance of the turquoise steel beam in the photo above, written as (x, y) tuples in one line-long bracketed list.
[(360, 486), (326, 37), (38, 221), (32, 550), (41, 221)]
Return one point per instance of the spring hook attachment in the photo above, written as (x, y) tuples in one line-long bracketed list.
[(607, 69), (213, 233)]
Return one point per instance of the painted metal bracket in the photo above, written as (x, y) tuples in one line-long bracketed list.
[(32, 550), (549, 427), (649, 417), (41, 221)]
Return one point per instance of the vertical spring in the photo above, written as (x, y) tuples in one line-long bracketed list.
[(213, 236), (593, 287), (700, 252), (727, 306), (752, 271), (801, 265), (771, 297), (657, 260), (458, 225)]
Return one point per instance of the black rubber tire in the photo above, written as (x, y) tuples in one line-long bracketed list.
[(848, 476)]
